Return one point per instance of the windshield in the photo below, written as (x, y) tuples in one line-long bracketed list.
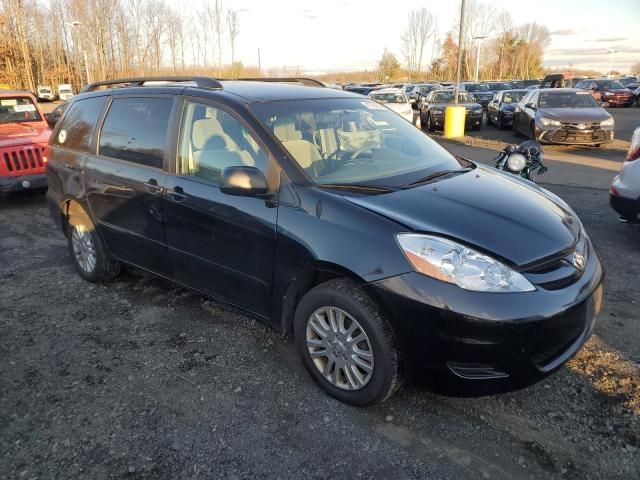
[(45, 90), (499, 86), (512, 97), (567, 100), (65, 90), (447, 97), (476, 88), (18, 109), (389, 97), (353, 141), (610, 84)]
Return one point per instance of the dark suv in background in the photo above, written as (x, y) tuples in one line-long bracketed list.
[(328, 216)]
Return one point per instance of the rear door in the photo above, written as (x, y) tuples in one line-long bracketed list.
[(125, 179), (220, 244)]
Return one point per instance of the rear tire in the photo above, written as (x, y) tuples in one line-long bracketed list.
[(89, 257), (430, 125), (532, 131), (500, 122), (351, 378)]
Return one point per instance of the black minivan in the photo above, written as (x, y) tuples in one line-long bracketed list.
[(328, 216)]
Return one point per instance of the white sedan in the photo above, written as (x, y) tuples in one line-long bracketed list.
[(625, 189), (395, 99)]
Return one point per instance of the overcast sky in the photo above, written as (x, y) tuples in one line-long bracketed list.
[(330, 35)]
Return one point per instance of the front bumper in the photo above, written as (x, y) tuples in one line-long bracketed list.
[(22, 182), (618, 101), (563, 136), (627, 208), (469, 337), (469, 120)]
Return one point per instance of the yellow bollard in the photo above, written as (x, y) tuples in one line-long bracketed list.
[(454, 121)]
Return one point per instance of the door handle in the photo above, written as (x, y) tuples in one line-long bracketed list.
[(177, 194), (153, 187)]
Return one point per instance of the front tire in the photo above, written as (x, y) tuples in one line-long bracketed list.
[(89, 257), (346, 344)]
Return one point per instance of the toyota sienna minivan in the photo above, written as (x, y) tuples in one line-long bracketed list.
[(329, 217)]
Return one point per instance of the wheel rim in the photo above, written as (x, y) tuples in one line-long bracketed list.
[(339, 348), (83, 248)]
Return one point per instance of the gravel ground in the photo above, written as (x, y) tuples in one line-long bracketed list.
[(139, 379)]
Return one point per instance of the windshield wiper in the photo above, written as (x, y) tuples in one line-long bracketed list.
[(358, 187), (439, 174)]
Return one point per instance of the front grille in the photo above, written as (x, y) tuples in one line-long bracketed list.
[(570, 133), (25, 159), (560, 271)]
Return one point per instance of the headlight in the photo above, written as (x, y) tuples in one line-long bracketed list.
[(451, 262), (516, 162), (607, 123), (547, 122)]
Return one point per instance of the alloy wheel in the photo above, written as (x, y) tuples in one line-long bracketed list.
[(339, 348), (83, 248)]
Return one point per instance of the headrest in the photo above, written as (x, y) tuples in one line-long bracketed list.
[(203, 129), (284, 128)]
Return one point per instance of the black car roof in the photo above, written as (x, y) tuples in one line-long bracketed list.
[(264, 92)]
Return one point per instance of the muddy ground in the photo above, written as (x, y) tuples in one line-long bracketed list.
[(139, 379)]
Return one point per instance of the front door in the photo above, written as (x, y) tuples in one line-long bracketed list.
[(220, 244), (125, 180)]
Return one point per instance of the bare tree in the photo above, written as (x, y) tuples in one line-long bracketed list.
[(419, 29), (217, 21), (234, 31)]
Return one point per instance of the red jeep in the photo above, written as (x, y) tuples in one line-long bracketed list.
[(24, 133)]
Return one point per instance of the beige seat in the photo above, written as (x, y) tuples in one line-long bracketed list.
[(303, 151), (215, 156), (204, 129)]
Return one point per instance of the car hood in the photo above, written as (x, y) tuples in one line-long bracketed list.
[(400, 108), (464, 104), (23, 133), (509, 217), (575, 115)]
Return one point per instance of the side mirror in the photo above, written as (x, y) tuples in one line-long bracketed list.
[(530, 105), (244, 181), (51, 119)]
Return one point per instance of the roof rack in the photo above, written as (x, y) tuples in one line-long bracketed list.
[(309, 82), (201, 82)]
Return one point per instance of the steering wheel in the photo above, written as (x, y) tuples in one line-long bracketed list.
[(357, 153)]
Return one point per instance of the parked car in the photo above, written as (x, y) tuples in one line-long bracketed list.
[(496, 87), (394, 99), (361, 89), (611, 92), (556, 80), (421, 91), (624, 195), (24, 134), (627, 81), (433, 109), (524, 84), (56, 114), (478, 91), (65, 92), (636, 96), (563, 115), (501, 109), (45, 93), (308, 208)]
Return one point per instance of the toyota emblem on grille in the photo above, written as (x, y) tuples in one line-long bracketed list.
[(578, 260), (582, 126)]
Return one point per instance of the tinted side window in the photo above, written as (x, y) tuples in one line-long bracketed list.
[(79, 124), (135, 130)]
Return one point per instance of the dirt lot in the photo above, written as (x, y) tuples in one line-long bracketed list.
[(139, 379)]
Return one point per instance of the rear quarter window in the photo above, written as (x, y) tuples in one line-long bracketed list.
[(79, 124), (135, 130)]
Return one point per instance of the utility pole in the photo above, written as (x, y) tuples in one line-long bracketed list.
[(611, 53), (259, 67), (479, 38), (459, 66)]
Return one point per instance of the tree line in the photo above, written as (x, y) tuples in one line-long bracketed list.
[(75, 41)]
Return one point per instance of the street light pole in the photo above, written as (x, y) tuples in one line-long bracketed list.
[(611, 52), (459, 65), (479, 38)]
